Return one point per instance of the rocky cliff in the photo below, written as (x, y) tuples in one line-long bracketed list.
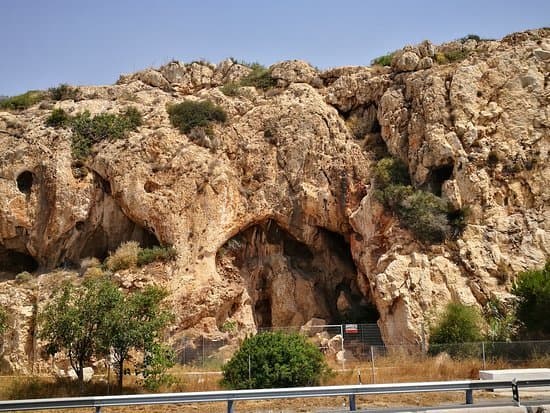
[(273, 213)]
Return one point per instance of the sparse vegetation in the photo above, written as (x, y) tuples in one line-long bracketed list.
[(533, 291), (260, 77), (131, 255), (450, 56), (3, 322), (88, 130), (190, 114), (156, 253), (64, 92), (58, 118), (275, 359), (426, 215), (231, 89), (384, 60), (23, 101), (24, 277)]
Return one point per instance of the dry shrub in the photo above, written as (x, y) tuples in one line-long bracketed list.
[(126, 256), (94, 272), (89, 262)]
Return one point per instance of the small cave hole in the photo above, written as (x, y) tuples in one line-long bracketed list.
[(438, 176), (14, 262), (79, 225), (151, 186), (24, 182)]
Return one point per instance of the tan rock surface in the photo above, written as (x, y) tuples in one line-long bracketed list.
[(275, 224)]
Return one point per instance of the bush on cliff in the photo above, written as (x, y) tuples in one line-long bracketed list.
[(426, 215), (190, 114), (275, 359), (88, 129)]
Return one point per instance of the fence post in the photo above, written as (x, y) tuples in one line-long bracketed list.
[(469, 396), (98, 409), (352, 407), (483, 353), (230, 406), (372, 362)]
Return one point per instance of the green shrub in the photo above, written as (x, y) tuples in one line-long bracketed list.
[(88, 130), (231, 89), (23, 101), (533, 291), (384, 60), (260, 77), (275, 359), (457, 331), (58, 118), (148, 255), (63, 92), (390, 171), (426, 215), (190, 114)]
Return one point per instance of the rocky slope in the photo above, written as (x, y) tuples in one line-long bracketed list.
[(274, 216)]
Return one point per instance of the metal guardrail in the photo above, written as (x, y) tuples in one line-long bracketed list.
[(230, 396)]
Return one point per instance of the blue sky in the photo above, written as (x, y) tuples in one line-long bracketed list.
[(48, 42)]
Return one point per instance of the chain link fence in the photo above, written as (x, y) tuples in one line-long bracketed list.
[(350, 345)]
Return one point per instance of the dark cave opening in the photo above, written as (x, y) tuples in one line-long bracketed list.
[(291, 281), (438, 176), (13, 262), (24, 182)]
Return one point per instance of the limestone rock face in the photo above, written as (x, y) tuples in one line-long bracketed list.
[(276, 223)]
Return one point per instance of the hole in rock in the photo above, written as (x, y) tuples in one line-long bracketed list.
[(24, 182), (291, 280), (13, 262), (438, 176)]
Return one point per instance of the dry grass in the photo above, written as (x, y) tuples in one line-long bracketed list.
[(392, 369), (125, 256)]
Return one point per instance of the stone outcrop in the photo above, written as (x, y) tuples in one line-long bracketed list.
[(276, 224)]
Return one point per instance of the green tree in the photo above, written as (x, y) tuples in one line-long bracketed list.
[(533, 291), (74, 318), (275, 359), (135, 322)]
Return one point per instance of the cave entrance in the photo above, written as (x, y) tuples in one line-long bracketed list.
[(438, 176), (14, 262), (290, 281)]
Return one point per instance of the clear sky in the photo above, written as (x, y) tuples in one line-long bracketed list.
[(48, 42)]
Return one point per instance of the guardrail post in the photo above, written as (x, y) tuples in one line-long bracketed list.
[(98, 409), (469, 396), (352, 407), (230, 406)]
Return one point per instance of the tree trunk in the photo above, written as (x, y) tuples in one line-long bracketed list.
[(120, 374)]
